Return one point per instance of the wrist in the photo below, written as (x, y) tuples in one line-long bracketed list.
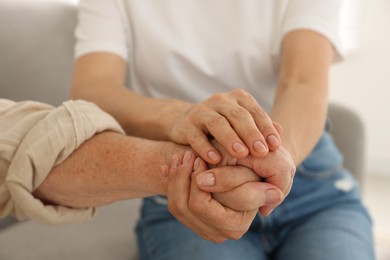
[(169, 114), (168, 149)]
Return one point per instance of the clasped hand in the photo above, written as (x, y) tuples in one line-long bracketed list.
[(220, 203), (218, 197)]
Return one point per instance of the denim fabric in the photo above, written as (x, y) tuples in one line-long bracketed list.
[(321, 219)]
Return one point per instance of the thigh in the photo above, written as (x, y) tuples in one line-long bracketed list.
[(323, 217), (160, 236), (336, 233)]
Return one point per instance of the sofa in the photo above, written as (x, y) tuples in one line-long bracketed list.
[(36, 57)]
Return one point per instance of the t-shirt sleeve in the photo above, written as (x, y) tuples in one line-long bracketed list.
[(320, 16), (101, 28)]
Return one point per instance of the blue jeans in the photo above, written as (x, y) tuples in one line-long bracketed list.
[(321, 219)]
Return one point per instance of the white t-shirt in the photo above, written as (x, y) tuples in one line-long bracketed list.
[(190, 49)]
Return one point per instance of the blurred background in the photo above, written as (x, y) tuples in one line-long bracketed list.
[(362, 82)]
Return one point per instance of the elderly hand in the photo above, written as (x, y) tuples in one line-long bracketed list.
[(276, 168), (234, 119), (236, 187)]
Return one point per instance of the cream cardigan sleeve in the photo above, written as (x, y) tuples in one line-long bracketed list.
[(34, 137)]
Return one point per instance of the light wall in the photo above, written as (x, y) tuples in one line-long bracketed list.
[(362, 82)]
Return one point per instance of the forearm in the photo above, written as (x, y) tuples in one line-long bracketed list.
[(301, 99), (100, 78), (107, 168), (301, 110)]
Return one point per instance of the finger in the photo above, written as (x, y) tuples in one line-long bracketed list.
[(171, 178), (268, 209), (225, 178), (246, 128), (277, 168), (250, 196), (278, 127), (283, 179), (221, 129), (261, 118), (200, 201), (265, 125), (182, 182), (230, 223), (202, 146), (193, 221), (287, 191), (178, 183)]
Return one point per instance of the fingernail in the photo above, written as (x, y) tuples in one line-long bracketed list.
[(196, 163), (213, 156), (206, 179), (272, 196), (259, 147), (187, 157), (238, 147), (273, 140)]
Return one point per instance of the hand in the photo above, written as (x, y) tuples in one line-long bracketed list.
[(234, 119), (199, 210), (276, 168), (238, 188)]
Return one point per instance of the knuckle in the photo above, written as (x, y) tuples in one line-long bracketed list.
[(236, 235), (193, 137), (176, 208), (216, 121), (199, 108), (219, 240), (258, 112), (240, 93), (219, 97), (204, 234), (171, 208), (238, 113)]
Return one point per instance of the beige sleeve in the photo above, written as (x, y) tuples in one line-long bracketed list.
[(34, 137)]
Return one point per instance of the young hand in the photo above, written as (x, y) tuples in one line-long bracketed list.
[(234, 119)]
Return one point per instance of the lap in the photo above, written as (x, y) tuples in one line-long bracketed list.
[(323, 216), (299, 229), (162, 237), (335, 233)]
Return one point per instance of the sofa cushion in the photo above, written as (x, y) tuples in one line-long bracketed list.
[(36, 49)]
